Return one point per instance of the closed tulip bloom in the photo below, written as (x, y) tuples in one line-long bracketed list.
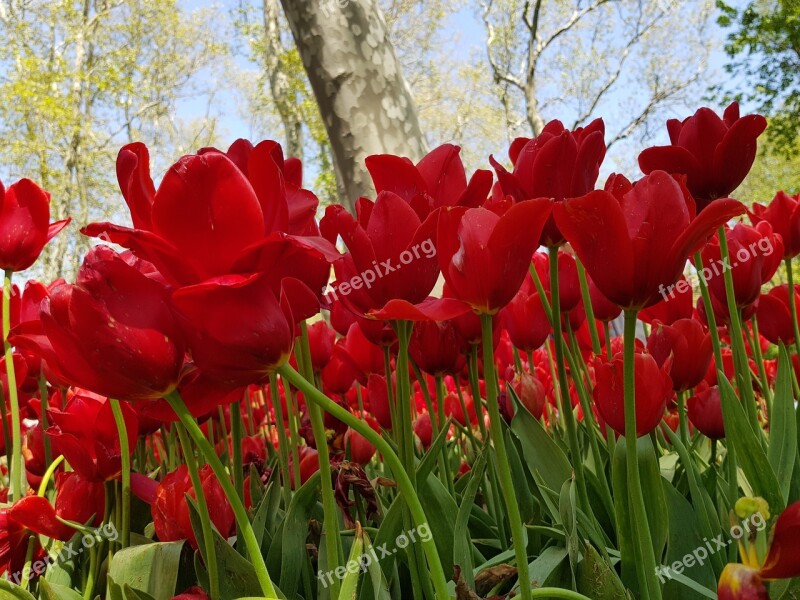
[(558, 164), (774, 316), (113, 332), (436, 347), (705, 412), (484, 256), (604, 309), (783, 215), (634, 239), (439, 179), (524, 318), (755, 255), (569, 286), (653, 390), (321, 338), (714, 154), (687, 345), (25, 225)]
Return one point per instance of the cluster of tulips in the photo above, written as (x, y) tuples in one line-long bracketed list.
[(572, 390)]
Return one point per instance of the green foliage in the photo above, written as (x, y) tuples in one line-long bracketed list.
[(764, 47), (80, 78)]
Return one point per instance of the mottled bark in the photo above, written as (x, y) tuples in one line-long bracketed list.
[(363, 98), (285, 100)]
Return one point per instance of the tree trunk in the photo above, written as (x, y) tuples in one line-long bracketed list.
[(363, 98)]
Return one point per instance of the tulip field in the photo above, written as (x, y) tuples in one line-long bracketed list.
[(526, 382)]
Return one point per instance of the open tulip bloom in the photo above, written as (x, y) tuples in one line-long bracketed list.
[(249, 396)]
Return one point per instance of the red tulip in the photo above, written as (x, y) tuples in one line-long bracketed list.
[(569, 287), (635, 242), (705, 412), (378, 400), (91, 337), (774, 316), (604, 309), (361, 451), (559, 164), (437, 180), (207, 219), (86, 434), (424, 429), (653, 388), (436, 347), (783, 558), (715, 154), (484, 256), (25, 225), (171, 512), (77, 499), (530, 392), (320, 340), (238, 331), (195, 592), (525, 320), (783, 215), (755, 255), (739, 582), (678, 304), (687, 346)]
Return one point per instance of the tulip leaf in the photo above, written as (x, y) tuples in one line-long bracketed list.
[(749, 451), (684, 538), (288, 553), (549, 568), (354, 566), (384, 541), (596, 578), (151, 568), (9, 591), (545, 460), (133, 594), (55, 591), (428, 462), (441, 510), (783, 426), (462, 545)]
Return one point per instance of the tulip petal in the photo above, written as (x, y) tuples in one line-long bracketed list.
[(783, 559), (430, 309), (444, 176)]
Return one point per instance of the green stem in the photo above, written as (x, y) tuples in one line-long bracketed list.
[(566, 401), (253, 548), (792, 305), (391, 459), (743, 378), (209, 554), (640, 527), (503, 470), (48, 455), (557, 593), (283, 442), (16, 469), (587, 305), (333, 543), (125, 460)]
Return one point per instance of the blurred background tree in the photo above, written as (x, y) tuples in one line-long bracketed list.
[(80, 78)]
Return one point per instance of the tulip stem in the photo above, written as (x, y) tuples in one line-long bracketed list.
[(283, 442), (557, 593), (743, 377), (401, 477), (566, 401), (239, 511), (16, 470), (640, 527), (333, 543), (587, 305), (210, 554), (45, 404), (125, 460), (504, 472), (792, 305)]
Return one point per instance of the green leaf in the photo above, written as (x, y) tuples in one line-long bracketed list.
[(9, 591), (546, 461), (749, 451), (596, 579), (132, 594), (783, 426), (685, 538), (462, 546), (152, 568), (349, 585), (548, 568), (289, 555), (441, 510), (54, 591)]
